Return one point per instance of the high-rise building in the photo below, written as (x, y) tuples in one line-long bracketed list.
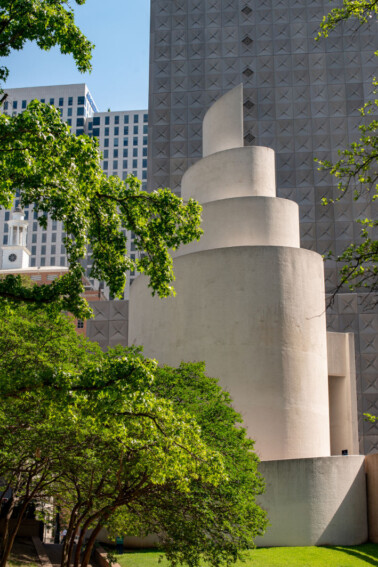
[(301, 98), (122, 139)]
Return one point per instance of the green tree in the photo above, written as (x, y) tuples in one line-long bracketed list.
[(60, 174), (118, 440), (47, 22), (356, 169)]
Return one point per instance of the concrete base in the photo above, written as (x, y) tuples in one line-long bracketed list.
[(319, 501)]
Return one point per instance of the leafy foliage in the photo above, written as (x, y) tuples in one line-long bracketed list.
[(119, 443), (60, 174), (357, 168), (47, 22)]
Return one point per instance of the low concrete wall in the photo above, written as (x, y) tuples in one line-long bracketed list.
[(319, 501), (28, 528)]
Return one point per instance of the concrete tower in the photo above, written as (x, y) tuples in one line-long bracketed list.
[(250, 303)]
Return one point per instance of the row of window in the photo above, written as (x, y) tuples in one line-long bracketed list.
[(96, 131), (97, 119), (52, 261), (125, 154), (105, 166), (125, 142), (80, 102)]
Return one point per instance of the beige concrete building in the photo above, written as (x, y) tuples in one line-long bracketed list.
[(251, 303)]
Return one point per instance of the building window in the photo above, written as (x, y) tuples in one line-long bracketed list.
[(135, 163), (116, 130), (144, 174), (62, 249), (6, 105), (115, 164), (52, 101), (43, 261), (6, 227), (52, 261), (79, 121), (23, 104), (145, 129), (126, 119), (144, 163), (43, 250), (136, 118), (34, 238), (5, 239), (70, 101), (106, 165), (145, 140), (69, 112), (32, 262), (116, 120), (125, 153), (106, 132), (69, 121), (106, 142), (7, 215), (144, 152), (124, 164), (115, 141), (124, 175), (62, 261), (107, 120), (53, 237), (135, 141), (79, 132), (135, 130), (80, 324), (145, 117), (90, 126), (96, 121), (53, 249), (96, 132), (44, 237), (125, 141), (80, 111), (115, 153), (14, 105), (34, 250), (135, 152), (80, 100), (125, 130), (106, 154), (61, 101), (35, 226)]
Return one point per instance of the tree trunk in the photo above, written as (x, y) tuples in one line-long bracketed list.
[(5, 539), (79, 546), (9, 544), (92, 539), (68, 541)]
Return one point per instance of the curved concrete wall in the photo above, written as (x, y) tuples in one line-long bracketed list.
[(238, 172), (222, 126), (248, 221), (315, 502), (266, 342)]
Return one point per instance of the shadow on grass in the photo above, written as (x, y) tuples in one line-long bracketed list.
[(367, 552)]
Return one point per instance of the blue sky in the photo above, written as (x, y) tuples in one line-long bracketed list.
[(119, 80)]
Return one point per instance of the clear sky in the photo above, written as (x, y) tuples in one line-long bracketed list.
[(119, 80)]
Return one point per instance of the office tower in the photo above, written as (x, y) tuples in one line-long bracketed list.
[(300, 99), (122, 139)]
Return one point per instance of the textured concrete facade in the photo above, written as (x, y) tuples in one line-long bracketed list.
[(300, 98)]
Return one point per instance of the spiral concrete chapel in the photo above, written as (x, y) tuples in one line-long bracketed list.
[(250, 303)]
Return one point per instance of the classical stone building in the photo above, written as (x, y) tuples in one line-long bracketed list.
[(301, 98)]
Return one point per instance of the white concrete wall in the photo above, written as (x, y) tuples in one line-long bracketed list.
[(315, 502), (342, 393), (256, 315)]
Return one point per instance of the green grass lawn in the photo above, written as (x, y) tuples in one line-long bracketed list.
[(278, 557)]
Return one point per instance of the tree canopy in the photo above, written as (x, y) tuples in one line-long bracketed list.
[(61, 176), (118, 442), (47, 22), (356, 170)]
